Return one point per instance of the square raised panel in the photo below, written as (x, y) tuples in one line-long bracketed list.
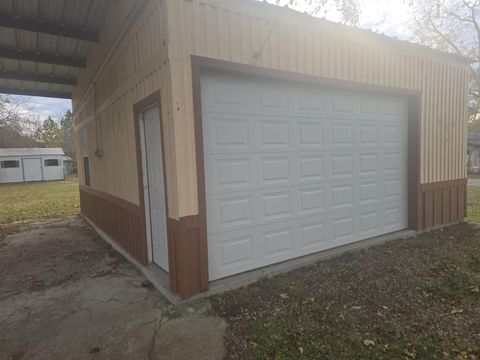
[(311, 168), (392, 162), (342, 196), (342, 135), (310, 101), (369, 135), (342, 165), (230, 134), (236, 251), (393, 216), (369, 108), (343, 227), (278, 242), (311, 200), (273, 98), (276, 205), (232, 173), (393, 107), (229, 92), (275, 171), (394, 135), (369, 222), (393, 189), (273, 134), (368, 164), (309, 134), (342, 104), (235, 211), (313, 234), (369, 192)]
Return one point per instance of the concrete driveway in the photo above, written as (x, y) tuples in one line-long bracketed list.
[(65, 294)]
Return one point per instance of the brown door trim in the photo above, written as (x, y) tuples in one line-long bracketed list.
[(153, 99), (200, 64)]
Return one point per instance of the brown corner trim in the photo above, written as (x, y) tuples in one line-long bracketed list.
[(185, 239)]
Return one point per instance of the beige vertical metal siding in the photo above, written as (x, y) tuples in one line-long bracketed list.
[(236, 30), (137, 67)]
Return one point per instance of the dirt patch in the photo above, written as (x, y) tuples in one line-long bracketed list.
[(414, 298)]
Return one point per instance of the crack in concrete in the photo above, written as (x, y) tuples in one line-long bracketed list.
[(154, 338)]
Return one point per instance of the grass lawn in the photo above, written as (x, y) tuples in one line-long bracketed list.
[(409, 299), (473, 204), (36, 201)]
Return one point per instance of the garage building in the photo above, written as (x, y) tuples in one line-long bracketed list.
[(218, 137), (31, 164)]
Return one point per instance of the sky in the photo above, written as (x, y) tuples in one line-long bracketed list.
[(389, 17), (42, 107)]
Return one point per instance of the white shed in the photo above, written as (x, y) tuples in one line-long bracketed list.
[(31, 164)]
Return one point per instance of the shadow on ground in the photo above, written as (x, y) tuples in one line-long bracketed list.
[(65, 294)]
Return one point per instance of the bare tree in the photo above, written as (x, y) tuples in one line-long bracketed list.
[(348, 9), (454, 26), (16, 130)]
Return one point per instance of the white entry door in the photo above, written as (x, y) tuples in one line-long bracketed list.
[(155, 204), (32, 169), (293, 169)]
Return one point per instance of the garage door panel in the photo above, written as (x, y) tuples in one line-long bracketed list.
[(311, 168), (273, 99), (275, 170), (275, 205), (248, 248), (228, 173), (293, 169), (311, 200), (228, 96), (369, 108), (342, 166), (369, 135), (310, 134), (227, 134), (340, 105), (308, 102)]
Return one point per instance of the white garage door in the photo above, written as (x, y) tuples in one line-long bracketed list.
[(32, 169), (294, 169)]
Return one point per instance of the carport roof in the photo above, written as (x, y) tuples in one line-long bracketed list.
[(44, 44)]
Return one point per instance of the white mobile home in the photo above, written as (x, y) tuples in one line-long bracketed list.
[(31, 164)]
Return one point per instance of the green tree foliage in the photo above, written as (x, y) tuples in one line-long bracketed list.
[(454, 26), (67, 134), (49, 134)]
